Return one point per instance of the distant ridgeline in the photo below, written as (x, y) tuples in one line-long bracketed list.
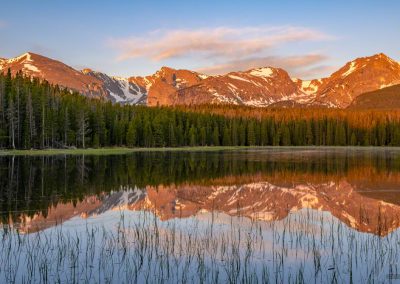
[(34, 114)]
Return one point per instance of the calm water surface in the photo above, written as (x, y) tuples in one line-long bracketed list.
[(253, 216)]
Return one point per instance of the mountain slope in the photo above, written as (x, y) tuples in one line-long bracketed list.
[(165, 84), (87, 82), (256, 87), (270, 86), (118, 89), (358, 77), (260, 87), (55, 72), (386, 98)]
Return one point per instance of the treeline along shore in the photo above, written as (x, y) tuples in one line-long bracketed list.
[(37, 115)]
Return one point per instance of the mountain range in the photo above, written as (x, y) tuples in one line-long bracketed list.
[(259, 87)]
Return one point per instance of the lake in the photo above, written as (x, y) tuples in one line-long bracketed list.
[(281, 215)]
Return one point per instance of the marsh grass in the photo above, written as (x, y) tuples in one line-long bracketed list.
[(119, 150), (125, 150), (307, 247)]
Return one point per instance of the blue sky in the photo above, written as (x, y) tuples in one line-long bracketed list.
[(307, 38)]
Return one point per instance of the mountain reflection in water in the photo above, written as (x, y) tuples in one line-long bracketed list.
[(359, 187)]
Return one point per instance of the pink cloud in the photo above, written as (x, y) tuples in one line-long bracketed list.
[(211, 43)]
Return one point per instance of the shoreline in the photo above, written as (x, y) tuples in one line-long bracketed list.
[(124, 150)]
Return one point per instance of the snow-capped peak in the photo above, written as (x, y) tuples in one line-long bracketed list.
[(26, 57), (263, 72)]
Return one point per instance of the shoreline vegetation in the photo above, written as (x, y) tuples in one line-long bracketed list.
[(126, 150)]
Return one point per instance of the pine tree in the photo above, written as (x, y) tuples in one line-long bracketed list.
[(396, 136), (242, 134), (329, 133), (147, 133), (216, 136), (172, 136), (131, 134), (11, 121), (226, 137), (203, 136), (158, 133), (340, 134), (251, 138), (285, 135), (83, 128), (235, 133), (96, 141), (309, 134), (264, 133), (192, 136)]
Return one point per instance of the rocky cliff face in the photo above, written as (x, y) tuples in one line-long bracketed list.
[(257, 87), (120, 90), (166, 83)]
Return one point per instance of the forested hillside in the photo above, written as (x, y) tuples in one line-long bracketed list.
[(386, 98), (35, 114)]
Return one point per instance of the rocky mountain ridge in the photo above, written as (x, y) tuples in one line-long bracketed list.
[(258, 87)]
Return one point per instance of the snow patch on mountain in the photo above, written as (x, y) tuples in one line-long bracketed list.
[(148, 84), (262, 72), (131, 92), (120, 200), (351, 69), (180, 82), (224, 99), (24, 59), (238, 78), (31, 67), (308, 87), (258, 102), (120, 90), (19, 58), (203, 76), (27, 63), (386, 85)]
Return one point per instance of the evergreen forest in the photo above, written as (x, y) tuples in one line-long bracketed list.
[(37, 115)]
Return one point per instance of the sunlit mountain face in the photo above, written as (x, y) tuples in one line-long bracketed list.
[(360, 188), (266, 86)]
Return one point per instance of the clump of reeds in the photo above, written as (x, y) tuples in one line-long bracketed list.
[(308, 246)]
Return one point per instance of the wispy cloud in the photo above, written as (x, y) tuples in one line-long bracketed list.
[(315, 71), (302, 66), (211, 43)]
